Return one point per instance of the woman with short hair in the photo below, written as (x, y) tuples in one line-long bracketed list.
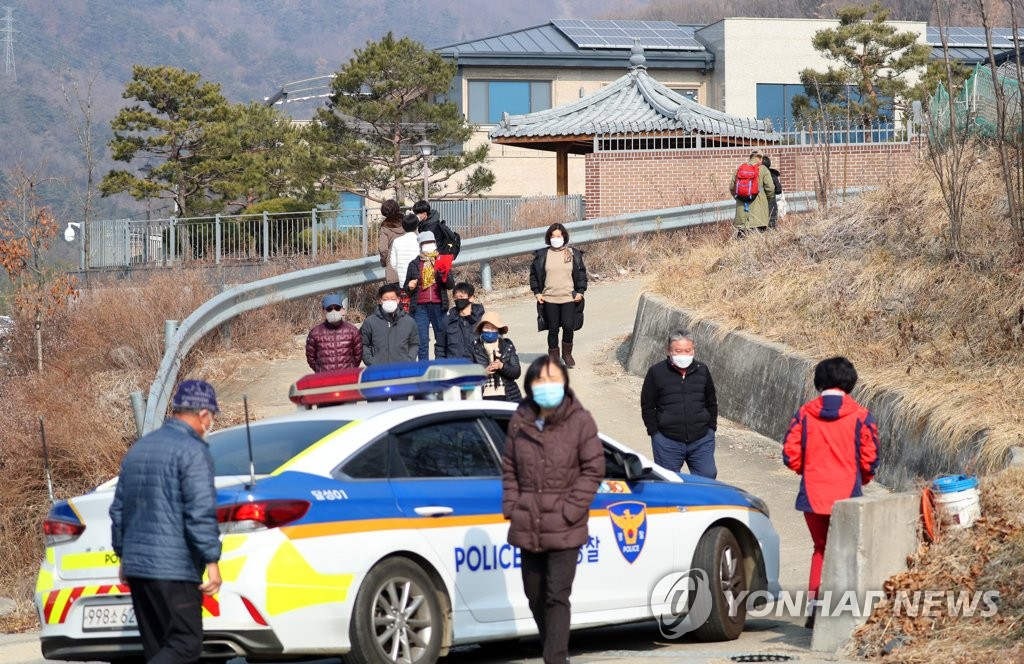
[(551, 469), (832, 443), (558, 279)]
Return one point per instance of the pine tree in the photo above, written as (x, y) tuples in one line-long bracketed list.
[(386, 99)]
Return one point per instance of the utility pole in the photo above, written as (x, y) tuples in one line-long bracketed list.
[(8, 40)]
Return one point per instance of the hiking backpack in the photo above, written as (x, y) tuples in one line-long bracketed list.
[(448, 241), (747, 179)]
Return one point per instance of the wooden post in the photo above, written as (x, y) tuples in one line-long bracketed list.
[(562, 170)]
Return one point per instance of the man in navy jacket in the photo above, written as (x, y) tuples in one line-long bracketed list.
[(164, 527)]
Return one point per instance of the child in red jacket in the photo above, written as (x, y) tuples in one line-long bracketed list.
[(832, 443)]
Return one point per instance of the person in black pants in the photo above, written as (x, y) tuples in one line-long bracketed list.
[(558, 279)]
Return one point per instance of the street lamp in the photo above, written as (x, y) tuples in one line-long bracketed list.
[(426, 149)]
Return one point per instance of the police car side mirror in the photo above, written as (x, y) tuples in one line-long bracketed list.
[(634, 467)]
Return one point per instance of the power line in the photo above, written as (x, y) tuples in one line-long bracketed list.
[(8, 40)]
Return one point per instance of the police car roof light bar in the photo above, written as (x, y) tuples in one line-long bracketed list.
[(384, 381)]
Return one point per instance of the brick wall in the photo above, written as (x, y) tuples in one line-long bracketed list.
[(621, 182)]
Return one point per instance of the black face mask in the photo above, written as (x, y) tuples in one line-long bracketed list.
[(461, 303)]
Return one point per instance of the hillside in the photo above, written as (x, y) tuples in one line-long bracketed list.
[(250, 47)]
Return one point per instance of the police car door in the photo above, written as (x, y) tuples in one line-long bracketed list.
[(632, 533), (448, 477)]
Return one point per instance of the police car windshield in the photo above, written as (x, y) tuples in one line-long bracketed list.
[(272, 445)]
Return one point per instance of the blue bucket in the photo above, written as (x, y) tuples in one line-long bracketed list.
[(954, 483)]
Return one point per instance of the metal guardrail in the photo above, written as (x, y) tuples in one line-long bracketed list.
[(346, 274)]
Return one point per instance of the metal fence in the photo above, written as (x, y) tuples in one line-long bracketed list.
[(784, 132), (346, 233)]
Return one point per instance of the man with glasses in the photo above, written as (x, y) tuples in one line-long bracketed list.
[(334, 344)]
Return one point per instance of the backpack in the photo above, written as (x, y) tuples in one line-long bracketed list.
[(448, 241), (747, 178)]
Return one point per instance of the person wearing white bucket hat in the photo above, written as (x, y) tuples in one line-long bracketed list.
[(832, 443)]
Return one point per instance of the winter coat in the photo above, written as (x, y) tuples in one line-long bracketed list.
[(757, 216), (538, 271), (389, 338), (832, 443), (163, 521), (334, 346), (390, 230), (550, 476), (508, 373), (415, 271), (404, 250), (678, 407), (773, 202), (459, 333)]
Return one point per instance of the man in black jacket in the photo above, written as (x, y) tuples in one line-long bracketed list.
[(460, 324), (680, 410)]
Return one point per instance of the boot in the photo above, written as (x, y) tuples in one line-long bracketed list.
[(553, 355), (567, 356)]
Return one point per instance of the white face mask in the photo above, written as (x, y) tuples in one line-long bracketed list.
[(389, 306), (429, 247), (557, 242), (682, 361), (333, 316)]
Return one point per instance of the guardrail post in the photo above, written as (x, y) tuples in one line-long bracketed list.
[(266, 237), (344, 298), (139, 410), (312, 216), (485, 276), (216, 232), (170, 327)]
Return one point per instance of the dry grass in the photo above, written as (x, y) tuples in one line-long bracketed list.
[(107, 344), (872, 281), (986, 557)]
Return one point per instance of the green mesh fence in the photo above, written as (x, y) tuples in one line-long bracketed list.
[(975, 106)]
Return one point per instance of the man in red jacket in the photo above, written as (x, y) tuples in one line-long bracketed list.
[(334, 344), (833, 444)]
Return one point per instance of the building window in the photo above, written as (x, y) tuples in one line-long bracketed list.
[(775, 101), (489, 99), (689, 93)]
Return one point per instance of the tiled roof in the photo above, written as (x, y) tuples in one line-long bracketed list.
[(634, 103)]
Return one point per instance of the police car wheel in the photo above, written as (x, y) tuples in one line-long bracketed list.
[(719, 556), (397, 617)]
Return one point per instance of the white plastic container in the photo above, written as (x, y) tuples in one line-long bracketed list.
[(957, 500)]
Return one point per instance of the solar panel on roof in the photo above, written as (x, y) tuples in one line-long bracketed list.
[(655, 35)]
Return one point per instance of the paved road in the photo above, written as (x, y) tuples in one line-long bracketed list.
[(744, 458)]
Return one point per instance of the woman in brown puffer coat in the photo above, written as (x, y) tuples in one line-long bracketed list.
[(552, 467)]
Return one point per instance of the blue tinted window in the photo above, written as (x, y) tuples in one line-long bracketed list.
[(771, 101), (512, 97), (489, 99)]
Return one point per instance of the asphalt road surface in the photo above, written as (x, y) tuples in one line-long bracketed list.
[(744, 458)]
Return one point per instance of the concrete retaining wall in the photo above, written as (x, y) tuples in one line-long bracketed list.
[(761, 385), (869, 539)]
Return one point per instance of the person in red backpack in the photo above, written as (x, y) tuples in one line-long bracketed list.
[(832, 443), (752, 186)]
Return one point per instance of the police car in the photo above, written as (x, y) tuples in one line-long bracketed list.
[(374, 529)]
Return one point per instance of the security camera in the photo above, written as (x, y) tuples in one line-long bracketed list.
[(70, 231)]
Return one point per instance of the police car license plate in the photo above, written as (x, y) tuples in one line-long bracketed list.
[(109, 616)]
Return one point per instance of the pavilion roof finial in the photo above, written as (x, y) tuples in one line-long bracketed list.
[(636, 56)]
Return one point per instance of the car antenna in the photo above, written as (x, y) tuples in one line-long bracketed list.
[(248, 439), (46, 461)]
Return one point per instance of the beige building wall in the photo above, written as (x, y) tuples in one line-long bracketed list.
[(525, 172), (749, 51)]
